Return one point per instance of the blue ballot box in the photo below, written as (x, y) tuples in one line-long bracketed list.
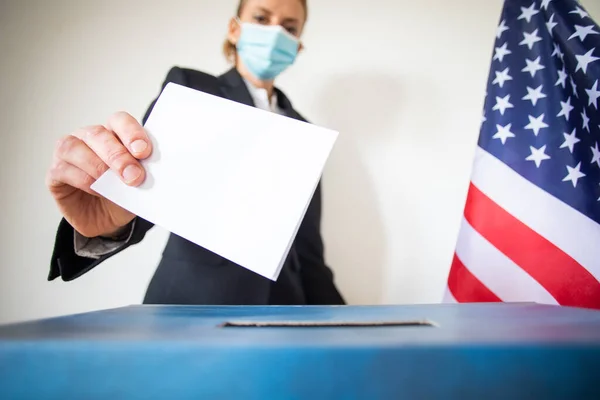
[(470, 351)]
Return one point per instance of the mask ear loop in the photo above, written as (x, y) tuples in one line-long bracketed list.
[(239, 22)]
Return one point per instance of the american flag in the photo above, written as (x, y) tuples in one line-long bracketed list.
[(531, 224)]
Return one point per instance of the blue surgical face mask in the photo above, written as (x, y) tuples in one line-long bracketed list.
[(266, 50)]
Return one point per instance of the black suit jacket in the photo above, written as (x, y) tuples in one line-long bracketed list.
[(190, 274)]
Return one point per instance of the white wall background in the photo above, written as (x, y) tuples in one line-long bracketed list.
[(402, 80)]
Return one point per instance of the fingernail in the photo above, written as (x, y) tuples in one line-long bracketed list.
[(139, 146), (131, 173)]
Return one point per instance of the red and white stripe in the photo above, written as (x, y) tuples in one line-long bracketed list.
[(519, 243)]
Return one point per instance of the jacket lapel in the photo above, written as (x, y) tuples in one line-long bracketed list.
[(286, 106), (234, 88)]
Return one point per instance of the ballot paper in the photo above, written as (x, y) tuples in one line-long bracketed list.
[(231, 178)]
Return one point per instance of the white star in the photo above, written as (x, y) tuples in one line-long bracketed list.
[(502, 77), (593, 95), (545, 4), (584, 60), (538, 155), (586, 121), (483, 118), (595, 155), (562, 78), (533, 66), (535, 124), (503, 133), (574, 174), (581, 13), (530, 39), (570, 141), (502, 103), (574, 87), (501, 52), (527, 13), (557, 51), (550, 25), (501, 29), (582, 31), (534, 94), (566, 109)]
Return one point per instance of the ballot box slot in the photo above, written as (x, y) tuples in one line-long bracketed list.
[(324, 324)]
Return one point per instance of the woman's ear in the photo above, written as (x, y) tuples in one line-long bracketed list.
[(233, 31), (300, 47)]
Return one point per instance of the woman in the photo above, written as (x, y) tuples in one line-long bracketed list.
[(262, 41)]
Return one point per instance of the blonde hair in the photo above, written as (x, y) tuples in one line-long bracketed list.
[(229, 49)]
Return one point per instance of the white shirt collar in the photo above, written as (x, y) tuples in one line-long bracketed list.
[(261, 98)]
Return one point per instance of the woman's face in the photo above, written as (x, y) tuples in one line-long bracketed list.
[(289, 14)]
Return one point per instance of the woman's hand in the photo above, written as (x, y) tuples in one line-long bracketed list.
[(82, 157)]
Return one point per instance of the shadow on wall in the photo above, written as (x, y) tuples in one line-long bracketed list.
[(362, 107)]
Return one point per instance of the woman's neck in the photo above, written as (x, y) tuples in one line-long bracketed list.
[(267, 85)]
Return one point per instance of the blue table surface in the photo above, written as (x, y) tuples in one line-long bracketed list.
[(471, 351), (203, 325)]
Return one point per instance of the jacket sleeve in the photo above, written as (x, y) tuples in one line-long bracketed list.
[(65, 262), (317, 277)]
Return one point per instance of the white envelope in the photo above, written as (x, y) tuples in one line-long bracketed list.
[(231, 178)]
